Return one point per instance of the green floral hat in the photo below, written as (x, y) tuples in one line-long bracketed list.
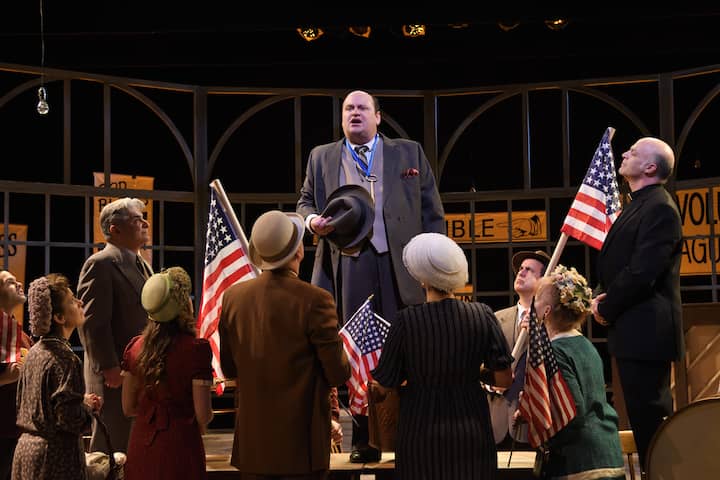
[(574, 291)]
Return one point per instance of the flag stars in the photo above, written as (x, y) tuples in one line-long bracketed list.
[(219, 233)]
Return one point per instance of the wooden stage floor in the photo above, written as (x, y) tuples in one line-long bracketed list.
[(218, 446)]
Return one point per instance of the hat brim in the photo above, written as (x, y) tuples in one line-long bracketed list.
[(157, 300), (350, 239), (538, 255), (257, 260)]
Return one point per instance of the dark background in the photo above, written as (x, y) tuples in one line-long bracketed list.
[(228, 43), (216, 43)]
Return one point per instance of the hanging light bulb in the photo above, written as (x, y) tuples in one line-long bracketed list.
[(42, 107)]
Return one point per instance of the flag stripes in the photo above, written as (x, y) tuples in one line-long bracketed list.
[(10, 338), (547, 403), (597, 203), (226, 263), (363, 336)]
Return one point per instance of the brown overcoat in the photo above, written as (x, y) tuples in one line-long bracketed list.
[(279, 339)]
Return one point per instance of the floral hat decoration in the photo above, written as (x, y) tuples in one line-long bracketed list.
[(574, 291)]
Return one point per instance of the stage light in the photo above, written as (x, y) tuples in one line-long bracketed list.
[(310, 34), (507, 25), (360, 31), (413, 30), (458, 26), (556, 24)]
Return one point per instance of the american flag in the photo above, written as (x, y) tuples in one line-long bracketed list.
[(597, 203), (363, 337), (226, 263), (547, 403), (10, 339)]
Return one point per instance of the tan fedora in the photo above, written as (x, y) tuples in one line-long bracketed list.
[(275, 238)]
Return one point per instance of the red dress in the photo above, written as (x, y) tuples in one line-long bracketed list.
[(165, 440)]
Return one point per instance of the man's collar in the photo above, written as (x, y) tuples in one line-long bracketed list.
[(125, 249)]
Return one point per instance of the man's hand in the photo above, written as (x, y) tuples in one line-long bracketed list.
[(525, 320), (595, 311), (517, 417), (320, 225), (112, 377), (336, 432)]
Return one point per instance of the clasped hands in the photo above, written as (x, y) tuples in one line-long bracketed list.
[(93, 401), (594, 309)]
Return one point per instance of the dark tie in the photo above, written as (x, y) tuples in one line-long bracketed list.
[(361, 155), (142, 267), (518, 383)]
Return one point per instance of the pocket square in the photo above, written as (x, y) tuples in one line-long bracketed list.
[(411, 172)]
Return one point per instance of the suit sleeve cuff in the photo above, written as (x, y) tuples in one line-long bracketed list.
[(309, 219)]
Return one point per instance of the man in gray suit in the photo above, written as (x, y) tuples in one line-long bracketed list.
[(402, 186), (110, 285), (529, 267)]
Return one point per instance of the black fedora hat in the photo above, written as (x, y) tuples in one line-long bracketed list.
[(538, 255), (353, 212)]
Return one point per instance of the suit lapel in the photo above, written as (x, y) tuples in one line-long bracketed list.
[(331, 174), (124, 261), (624, 217), (391, 169)]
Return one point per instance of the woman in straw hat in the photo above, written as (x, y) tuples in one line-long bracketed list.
[(53, 409), (166, 384), (438, 347), (589, 446)]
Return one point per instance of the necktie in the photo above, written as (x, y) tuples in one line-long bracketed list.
[(360, 150), (142, 267), (518, 383)]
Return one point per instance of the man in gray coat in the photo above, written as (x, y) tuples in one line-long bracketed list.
[(110, 285), (402, 187)]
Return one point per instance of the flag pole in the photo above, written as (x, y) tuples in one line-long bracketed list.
[(217, 186), (521, 343)]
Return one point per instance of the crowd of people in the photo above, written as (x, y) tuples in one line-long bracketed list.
[(373, 203)]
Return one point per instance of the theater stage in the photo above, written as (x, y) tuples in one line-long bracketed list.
[(218, 446)]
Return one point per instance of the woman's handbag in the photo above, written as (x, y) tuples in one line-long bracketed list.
[(383, 414), (100, 465)]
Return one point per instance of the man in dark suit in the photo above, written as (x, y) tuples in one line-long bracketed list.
[(402, 186), (110, 285), (279, 339), (639, 275)]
